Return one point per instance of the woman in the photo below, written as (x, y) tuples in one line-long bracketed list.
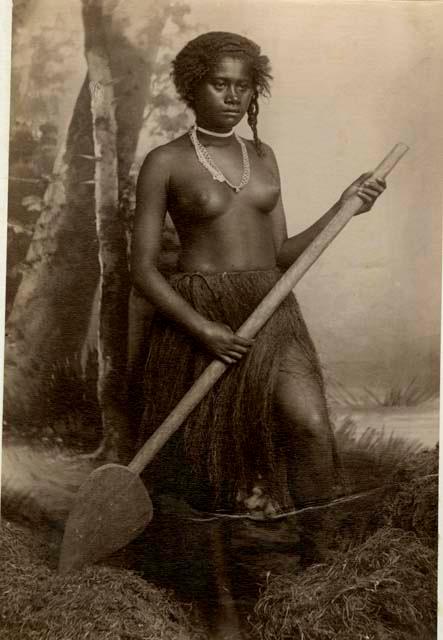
[(262, 438)]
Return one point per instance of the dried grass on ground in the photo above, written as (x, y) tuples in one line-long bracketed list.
[(382, 573), (98, 603), (384, 589), (381, 589), (413, 506)]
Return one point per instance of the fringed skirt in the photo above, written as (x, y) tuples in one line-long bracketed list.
[(230, 441)]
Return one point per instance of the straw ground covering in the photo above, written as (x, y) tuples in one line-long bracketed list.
[(378, 585), (99, 603), (383, 588)]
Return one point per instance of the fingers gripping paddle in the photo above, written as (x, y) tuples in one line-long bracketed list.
[(113, 506)]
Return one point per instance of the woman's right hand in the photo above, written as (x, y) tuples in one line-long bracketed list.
[(222, 342)]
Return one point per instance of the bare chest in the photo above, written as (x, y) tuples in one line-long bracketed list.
[(194, 192)]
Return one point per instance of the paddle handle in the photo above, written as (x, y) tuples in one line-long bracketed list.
[(260, 316)]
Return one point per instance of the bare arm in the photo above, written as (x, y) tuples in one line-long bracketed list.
[(288, 249), (150, 213), (295, 245), (151, 205)]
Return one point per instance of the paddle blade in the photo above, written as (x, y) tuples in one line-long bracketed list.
[(111, 508)]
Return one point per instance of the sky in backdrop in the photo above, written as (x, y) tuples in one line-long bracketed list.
[(351, 79)]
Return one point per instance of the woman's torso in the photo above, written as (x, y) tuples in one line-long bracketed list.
[(219, 229)]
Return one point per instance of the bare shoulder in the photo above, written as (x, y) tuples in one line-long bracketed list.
[(267, 156), (161, 159)]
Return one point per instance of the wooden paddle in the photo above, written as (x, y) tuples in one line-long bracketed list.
[(113, 506)]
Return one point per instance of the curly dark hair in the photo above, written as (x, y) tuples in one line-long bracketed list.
[(201, 55)]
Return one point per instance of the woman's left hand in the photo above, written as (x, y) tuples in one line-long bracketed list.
[(367, 189)]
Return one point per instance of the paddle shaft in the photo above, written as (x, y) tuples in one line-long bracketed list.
[(260, 316)]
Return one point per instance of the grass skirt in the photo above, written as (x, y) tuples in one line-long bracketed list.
[(229, 441)]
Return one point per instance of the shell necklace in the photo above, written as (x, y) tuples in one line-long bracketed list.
[(209, 164)]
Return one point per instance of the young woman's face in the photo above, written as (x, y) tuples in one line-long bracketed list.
[(222, 98)]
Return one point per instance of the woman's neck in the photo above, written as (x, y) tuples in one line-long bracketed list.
[(215, 134), (213, 138)]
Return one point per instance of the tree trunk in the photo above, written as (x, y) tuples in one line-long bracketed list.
[(50, 314), (122, 69), (111, 233), (52, 310)]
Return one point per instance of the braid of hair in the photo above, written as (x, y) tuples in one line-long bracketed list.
[(253, 110)]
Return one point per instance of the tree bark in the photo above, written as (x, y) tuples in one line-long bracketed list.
[(111, 233), (52, 310), (123, 69), (50, 313)]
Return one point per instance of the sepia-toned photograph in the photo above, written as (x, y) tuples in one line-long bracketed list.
[(222, 303)]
